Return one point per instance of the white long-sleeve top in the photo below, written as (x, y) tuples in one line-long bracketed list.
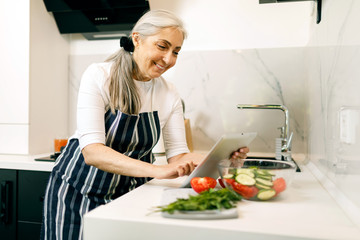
[(156, 95)]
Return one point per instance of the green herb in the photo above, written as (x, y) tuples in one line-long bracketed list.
[(208, 200)]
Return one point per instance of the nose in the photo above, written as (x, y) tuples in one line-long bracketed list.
[(169, 59)]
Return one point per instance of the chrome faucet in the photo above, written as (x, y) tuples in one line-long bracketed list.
[(286, 139)]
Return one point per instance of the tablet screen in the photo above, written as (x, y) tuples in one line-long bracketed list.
[(222, 149)]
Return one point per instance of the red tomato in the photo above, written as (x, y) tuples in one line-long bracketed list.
[(279, 185), (200, 184), (246, 191)]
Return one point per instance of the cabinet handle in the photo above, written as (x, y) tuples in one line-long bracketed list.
[(5, 202)]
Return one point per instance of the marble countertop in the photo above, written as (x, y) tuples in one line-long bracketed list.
[(305, 211)]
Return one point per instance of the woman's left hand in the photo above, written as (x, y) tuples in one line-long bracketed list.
[(240, 153)]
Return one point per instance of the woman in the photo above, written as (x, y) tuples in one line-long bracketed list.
[(123, 105)]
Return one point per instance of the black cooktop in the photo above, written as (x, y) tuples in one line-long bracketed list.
[(50, 158)]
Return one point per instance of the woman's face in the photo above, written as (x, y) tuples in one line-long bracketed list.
[(156, 54)]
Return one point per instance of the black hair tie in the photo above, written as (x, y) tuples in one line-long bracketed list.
[(127, 44)]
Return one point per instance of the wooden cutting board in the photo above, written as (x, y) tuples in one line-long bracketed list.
[(188, 134)]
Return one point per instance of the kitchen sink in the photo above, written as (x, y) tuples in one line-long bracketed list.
[(273, 158)]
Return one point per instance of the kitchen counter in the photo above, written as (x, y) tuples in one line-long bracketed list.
[(25, 162), (304, 211)]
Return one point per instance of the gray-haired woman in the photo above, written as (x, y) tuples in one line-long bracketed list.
[(123, 106)]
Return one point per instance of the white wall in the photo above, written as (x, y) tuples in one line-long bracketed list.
[(240, 24), (339, 25), (49, 59), (226, 24)]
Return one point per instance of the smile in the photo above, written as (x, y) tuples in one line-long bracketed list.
[(159, 66)]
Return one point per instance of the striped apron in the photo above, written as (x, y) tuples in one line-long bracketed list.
[(75, 188)]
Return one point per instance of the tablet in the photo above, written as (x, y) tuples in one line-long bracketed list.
[(222, 149)]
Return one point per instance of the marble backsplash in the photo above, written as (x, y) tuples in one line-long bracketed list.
[(334, 105), (212, 83), (333, 117)]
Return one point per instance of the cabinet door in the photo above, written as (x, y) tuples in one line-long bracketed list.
[(28, 231), (7, 204), (31, 191)]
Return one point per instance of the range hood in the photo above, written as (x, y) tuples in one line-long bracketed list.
[(97, 19)]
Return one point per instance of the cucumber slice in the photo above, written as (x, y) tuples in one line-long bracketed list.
[(229, 175), (264, 182), (262, 186), (264, 172), (266, 177), (266, 194), (245, 179), (246, 171)]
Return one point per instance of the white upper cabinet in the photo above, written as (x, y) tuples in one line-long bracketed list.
[(34, 78)]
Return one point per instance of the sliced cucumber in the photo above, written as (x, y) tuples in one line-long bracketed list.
[(264, 172), (229, 175), (264, 182), (245, 179), (246, 171), (266, 194), (266, 177), (262, 186)]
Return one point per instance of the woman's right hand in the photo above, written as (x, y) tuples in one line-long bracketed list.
[(174, 169)]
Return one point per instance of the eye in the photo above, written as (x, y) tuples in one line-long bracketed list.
[(161, 46), (176, 53)]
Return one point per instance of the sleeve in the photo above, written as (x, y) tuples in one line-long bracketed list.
[(91, 107), (174, 130)]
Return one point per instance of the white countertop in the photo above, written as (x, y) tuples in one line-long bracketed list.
[(25, 162), (304, 211)]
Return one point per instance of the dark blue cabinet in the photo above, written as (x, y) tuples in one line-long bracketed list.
[(8, 204), (31, 190), (22, 196)]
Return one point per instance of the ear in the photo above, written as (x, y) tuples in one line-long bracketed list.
[(136, 39)]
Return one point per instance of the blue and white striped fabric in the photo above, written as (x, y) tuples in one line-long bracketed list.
[(75, 188)]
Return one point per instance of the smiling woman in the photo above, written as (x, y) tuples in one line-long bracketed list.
[(123, 106)]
